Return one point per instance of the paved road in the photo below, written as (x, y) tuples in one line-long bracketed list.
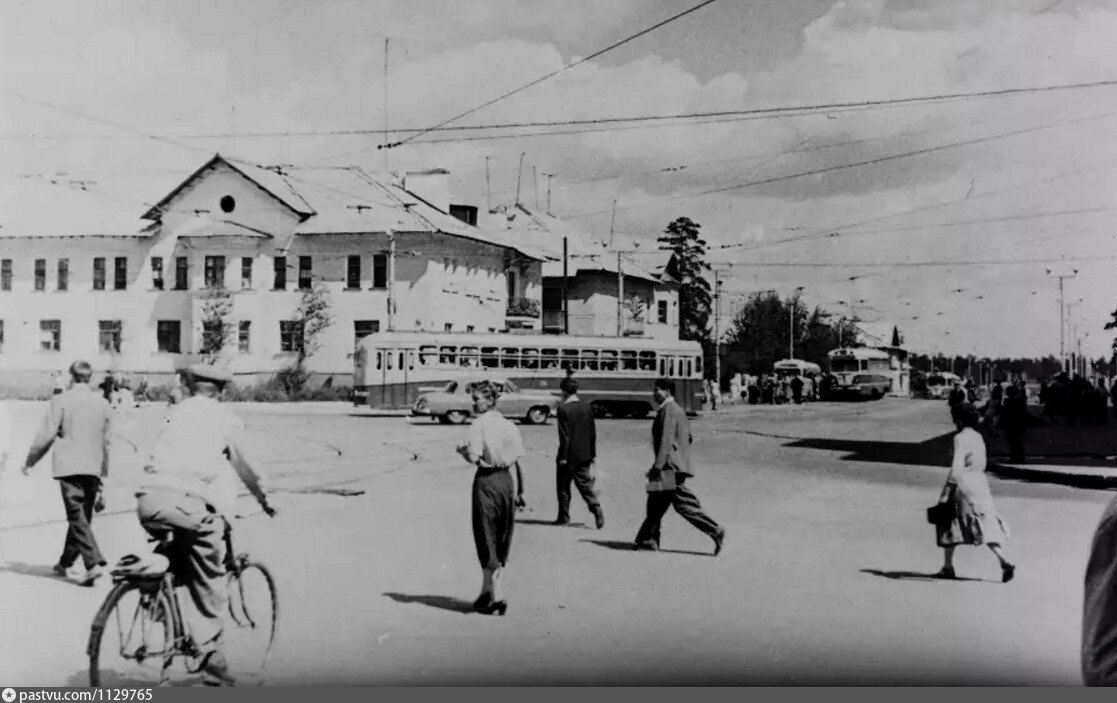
[(824, 506)]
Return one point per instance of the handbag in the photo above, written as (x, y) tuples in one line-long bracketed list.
[(940, 513), (662, 480)]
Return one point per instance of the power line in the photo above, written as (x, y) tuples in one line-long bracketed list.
[(856, 164), (552, 74), (916, 264)]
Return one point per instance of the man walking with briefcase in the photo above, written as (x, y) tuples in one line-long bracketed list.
[(671, 441)]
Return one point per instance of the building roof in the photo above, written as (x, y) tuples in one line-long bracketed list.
[(340, 200), (544, 234), (876, 334)]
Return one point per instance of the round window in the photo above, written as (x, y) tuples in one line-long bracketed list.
[(227, 203)]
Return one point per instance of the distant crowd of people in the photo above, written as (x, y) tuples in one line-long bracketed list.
[(770, 389)]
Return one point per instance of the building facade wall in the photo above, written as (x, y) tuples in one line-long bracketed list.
[(592, 304)]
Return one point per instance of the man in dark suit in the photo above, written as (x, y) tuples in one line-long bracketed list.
[(1099, 612), (577, 451), (671, 440), (78, 427)]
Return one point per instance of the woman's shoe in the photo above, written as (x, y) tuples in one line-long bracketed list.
[(499, 607), (483, 602), (1007, 572), (946, 572)]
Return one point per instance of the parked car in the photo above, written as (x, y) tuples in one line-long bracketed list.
[(453, 404)]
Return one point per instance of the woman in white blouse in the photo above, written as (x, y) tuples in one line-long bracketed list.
[(975, 521)]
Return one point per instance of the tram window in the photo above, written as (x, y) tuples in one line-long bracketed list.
[(672, 368), (697, 367), (628, 360), (469, 358), (428, 355), (490, 357), (411, 359), (388, 360), (549, 358), (570, 359), (589, 359), (662, 366), (647, 361), (529, 359), (684, 369), (608, 360), (510, 358), (448, 355), (379, 360), (402, 366)]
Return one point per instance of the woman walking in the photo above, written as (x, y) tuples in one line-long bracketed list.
[(975, 521), (494, 447)]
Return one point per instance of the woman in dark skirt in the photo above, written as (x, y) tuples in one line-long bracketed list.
[(495, 448)]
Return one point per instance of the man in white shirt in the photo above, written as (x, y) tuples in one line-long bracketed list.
[(190, 489)]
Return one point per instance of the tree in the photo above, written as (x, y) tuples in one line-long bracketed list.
[(760, 332), (313, 316), (217, 325), (687, 266)]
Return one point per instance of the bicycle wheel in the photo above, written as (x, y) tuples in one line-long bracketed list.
[(254, 611), (131, 642)]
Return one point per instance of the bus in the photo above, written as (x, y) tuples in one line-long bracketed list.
[(940, 383), (615, 375), (797, 367), (859, 373)]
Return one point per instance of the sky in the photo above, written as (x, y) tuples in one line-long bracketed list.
[(993, 191)]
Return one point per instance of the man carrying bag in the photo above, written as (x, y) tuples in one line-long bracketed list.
[(666, 487)]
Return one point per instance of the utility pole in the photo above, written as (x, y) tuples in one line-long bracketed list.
[(488, 188), (386, 39), (612, 222), (519, 176), (391, 279), (620, 297), (1062, 315), (565, 279), (791, 323), (717, 332), (549, 177)]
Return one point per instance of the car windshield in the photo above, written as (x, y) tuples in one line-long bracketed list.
[(936, 381), (510, 387), (843, 365), (450, 387)]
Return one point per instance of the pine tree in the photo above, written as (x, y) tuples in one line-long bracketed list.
[(688, 266)]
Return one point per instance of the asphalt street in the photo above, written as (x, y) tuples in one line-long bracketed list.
[(823, 578)]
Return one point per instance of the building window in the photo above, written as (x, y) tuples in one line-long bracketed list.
[(353, 273), (168, 336), (157, 272), (1, 335), (380, 271), (363, 328), (108, 337), (40, 274), (510, 278), (304, 272), (99, 273), (661, 312), (245, 272), (215, 272), (6, 274), (280, 273), (63, 274), (120, 273), (182, 273), (470, 328), (243, 334), (290, 336), (448, 327), (51, 331)]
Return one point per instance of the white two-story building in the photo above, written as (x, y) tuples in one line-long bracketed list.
[(129, 295)]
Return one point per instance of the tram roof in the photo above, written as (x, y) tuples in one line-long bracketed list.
[(528, 340)]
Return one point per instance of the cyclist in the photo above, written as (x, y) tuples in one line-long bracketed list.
[(189, 490)]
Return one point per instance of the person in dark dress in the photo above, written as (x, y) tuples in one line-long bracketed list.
[(1014, 421), (494, 447)]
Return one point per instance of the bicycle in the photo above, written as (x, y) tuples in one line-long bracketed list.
[(162, 631)]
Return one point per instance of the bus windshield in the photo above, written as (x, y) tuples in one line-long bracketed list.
[(936, 381), (844, 365)]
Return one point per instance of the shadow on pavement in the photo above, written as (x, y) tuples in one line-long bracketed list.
[(454, 605), (914, 576), (19, 567), (932, 452), (550, 523), (114, 679), (631, 547)]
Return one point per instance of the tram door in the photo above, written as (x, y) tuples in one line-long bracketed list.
[(394, 367)]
